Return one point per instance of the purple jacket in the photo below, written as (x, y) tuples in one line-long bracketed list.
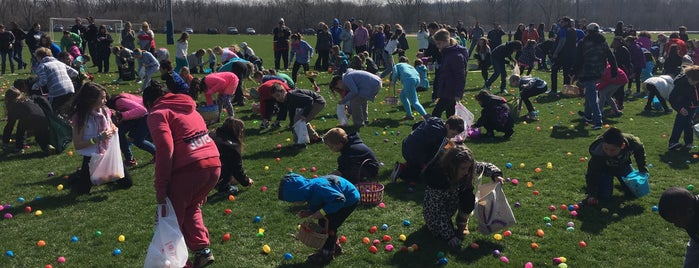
[(637, 58), (452, 78)]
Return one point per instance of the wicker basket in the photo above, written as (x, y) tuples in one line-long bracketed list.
[(370, 193), (570, 91), (209, 113), (313, 235)]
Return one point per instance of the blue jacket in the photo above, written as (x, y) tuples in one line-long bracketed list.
[(421, 145), (228, 67), (360, 83), (328, 194), (336, 31), (407, 74), (424, 82), (303, 52)]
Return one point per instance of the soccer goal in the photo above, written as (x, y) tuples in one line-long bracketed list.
[(58, 25)]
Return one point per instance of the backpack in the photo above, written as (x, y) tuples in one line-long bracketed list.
[(60, 130)]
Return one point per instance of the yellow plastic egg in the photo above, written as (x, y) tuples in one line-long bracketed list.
[(60, 187), (266, 249), (497, 237), (38, 213), (402, 237), (121, 238)]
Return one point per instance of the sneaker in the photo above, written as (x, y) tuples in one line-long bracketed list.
[(584, 117), (673, 146), (408, 117), (131, 163), (396, 171), (509, 133), (689, 146), (533, 116), (317, 88), (203, 258), (504, 92), (264, 125), (276, 124), (230, 190), (596, 127)]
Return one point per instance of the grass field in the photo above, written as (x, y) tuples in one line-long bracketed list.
[(619, 233)]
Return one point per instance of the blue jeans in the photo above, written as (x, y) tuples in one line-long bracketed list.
[(498, 70), (138, 131), (683, 124), (605, 184), (591, 107), (7, 55), (18, 56)]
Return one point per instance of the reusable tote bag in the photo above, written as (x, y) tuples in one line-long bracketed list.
[(491, 209), (107, 166), (467, 116), (167, 249)]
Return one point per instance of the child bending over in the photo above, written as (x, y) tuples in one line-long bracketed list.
[(329, 198), (529, 86), (495, 115), (356, 161), (230, 139)]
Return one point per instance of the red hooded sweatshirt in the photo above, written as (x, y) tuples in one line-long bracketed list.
[(265, 91), (181, 138)]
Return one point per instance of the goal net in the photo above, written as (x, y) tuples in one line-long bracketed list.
[(58, 25)]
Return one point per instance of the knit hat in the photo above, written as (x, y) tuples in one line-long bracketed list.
[(281, 20), (593, 27)]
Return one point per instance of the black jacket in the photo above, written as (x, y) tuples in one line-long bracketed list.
[(422, 144), (593, 55), (599, 161), (303, 99), (231, 159), (357, 160), (683, 95)]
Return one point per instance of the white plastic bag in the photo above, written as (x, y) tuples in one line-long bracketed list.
[(342, 115), (491, 209), (467, 116), (107, 166), (301, 132), (167, 249)]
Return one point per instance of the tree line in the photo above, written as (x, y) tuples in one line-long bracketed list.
[(300, 14)]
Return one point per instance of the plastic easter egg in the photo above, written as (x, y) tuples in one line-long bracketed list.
[(529, 265), (266, 249), (227, 211), (382, 205), (474, 245), (570, 224), (74, 239), (121, 238), (313, 169), (540, 233), (537, 170), (41, 243), (574, 213), (504, 259), (497, 237), (20, 199), (343, 239), (443, 261), (536, 192), (582, 244), (553, 217), (226, 237), (406, 223), (365, 240), (8, 216), (263, 188), (373, 249), (570, 229), (384, 227), (279, 146), (496, 253), (376, 242), (9, 253), (654, 208), (517, 204), (530, 184), (231, 197), (569, 153), (557, 260), (547, 219), (59, 187), (402, 237), (548, 224), (508, 165), (373, 229), (515, 182), (116, 252), (288, 139), (288, 256), (507, 233), (61, 259), (563, 259), (388, 247), (562, 265), (690, 187), (48, 266), (549, 165), (386, 238), (522, 165), (414, 247), (552, 208), (266, 168), (70, 153), (571, 207), (28, 209), (277, 159), (534, 245), (257, 219)]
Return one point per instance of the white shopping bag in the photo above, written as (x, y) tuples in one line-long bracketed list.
[(467, 116), (491, 209), (301, 132), (342, 115), (167, 249), (107, 166)]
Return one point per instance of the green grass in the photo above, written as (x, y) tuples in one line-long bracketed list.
[(629, 235)]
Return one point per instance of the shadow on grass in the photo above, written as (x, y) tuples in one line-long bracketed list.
[(596, 218), (566, 132), (17, 156), (429, 247), (678, 159)]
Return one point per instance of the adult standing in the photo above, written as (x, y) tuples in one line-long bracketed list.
[(281, 44), (593, 53), (436, 57), (563, 56), (91, 38), (7, 39), (530, 34), (475, 35), (452, 78), (361, 38), (79, 29), (187, 164), (103, 48), (57, 77), (423, 37), (324, 41), (128, 36), (32, 40), (336, 30), (495, 35), (20, 35), (361, 87)]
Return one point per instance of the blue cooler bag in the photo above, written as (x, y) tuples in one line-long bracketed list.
[(637, 183)]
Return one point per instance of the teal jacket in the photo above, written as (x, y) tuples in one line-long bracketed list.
[(328, 194)]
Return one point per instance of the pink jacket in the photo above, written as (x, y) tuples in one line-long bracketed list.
[(220, 83), (130, 106), (181, 136), (607, 80)]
